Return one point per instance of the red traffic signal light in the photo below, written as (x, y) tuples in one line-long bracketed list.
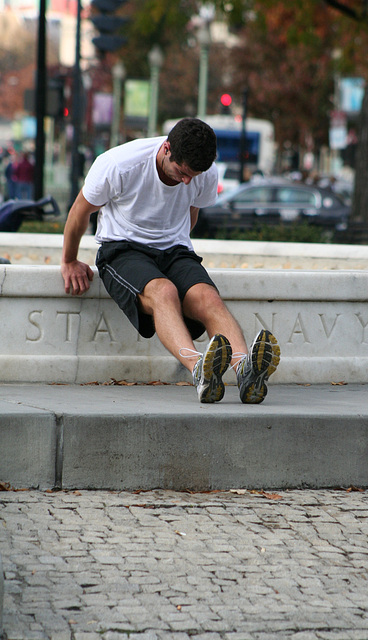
[(226, 100)]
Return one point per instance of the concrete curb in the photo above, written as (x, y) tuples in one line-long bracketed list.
[(146, 437)]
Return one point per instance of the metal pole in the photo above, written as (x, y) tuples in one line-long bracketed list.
[(203, 81), (155, 57), (40, 103), (243, 138), (116, 112), (76, 114), (118, 75), (152, 117)]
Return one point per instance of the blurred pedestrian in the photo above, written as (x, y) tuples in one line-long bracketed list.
[(23, 175), (10, 182)]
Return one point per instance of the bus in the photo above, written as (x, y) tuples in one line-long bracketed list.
[(260, 140)]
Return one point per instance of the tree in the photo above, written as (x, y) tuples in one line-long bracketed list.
[(283, 59), (358, 12)]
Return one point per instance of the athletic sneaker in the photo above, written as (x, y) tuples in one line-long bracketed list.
[(209, 369), (257, 366)]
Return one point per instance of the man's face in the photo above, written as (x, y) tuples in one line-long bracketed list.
[(179, 173), (174, 171)]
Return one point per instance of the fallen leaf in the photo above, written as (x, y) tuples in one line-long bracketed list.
[(239, 492), (122, 383), (265, 494), (338, 384), (5, 486), (210, 491), (271, 496), (353, 488), (183, 384), (58, 384)]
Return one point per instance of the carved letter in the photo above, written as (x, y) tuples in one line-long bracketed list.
[(68, 328), (324, 324), (299, 328), (364, 325), (35, 324), (103, 328), (264, 324)]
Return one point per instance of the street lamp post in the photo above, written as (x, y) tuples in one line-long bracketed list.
[(41, 82), (118, 76), (204, 40), (243, 138), (76, 110), (206, 16), (156, 59)]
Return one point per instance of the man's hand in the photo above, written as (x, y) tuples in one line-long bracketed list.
[(77, 276)]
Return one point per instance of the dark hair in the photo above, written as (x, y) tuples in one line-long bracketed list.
[(193, 142)]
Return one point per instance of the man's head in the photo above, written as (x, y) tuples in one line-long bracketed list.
[(193, 143)]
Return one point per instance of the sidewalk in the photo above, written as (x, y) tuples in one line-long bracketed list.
[(162, 565)]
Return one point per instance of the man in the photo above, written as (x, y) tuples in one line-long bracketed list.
[(148, 193)]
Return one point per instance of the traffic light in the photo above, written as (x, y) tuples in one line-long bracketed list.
[(108, 24), (55, 98), (226, 101)]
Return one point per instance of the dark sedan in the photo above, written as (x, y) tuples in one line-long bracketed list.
[(272, 201)]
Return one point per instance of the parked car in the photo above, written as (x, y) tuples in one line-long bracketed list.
[(272, 201), (228, 177)]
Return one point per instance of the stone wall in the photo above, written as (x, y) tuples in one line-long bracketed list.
[(320, 319)]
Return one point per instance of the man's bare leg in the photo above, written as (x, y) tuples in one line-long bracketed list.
[(202, 302), (160, 299), (254, 368)]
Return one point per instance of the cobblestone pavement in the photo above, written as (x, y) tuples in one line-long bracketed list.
[(99, 565)]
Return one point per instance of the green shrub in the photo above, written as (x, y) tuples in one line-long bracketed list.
[(39, 226), (294, 232)]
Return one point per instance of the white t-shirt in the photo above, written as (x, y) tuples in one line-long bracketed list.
[(135, 204)]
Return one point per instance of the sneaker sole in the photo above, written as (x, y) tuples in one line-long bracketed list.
[(265, 355), (215, 362)]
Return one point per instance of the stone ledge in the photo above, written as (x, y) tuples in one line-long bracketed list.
[(45, 249), (320, 320), (146, 437)]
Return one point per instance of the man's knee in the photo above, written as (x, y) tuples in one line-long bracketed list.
[(202, 299), (157, 292)]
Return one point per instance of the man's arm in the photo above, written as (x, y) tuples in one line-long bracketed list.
[(77, 275), (193, 216)]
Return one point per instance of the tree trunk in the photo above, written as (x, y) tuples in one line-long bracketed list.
[(360, 199)]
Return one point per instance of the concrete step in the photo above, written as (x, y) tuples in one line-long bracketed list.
[(158, 436)]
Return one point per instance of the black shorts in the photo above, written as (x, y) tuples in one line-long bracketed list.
[(126, 267)]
